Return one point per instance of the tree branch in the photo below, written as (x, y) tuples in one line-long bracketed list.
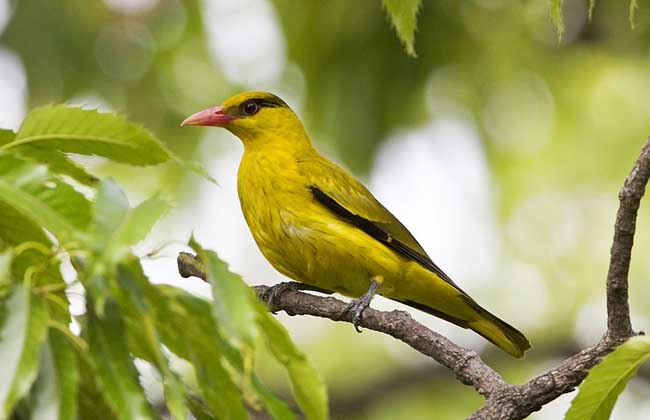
[(503, 400), (619, 325), (517, 402)]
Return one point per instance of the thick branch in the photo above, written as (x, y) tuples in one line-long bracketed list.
[(618, 311), (517, 402)]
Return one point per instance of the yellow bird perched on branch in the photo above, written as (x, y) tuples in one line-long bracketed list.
[(317, 224)]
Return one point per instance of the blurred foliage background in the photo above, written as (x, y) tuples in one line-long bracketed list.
[(499, 147)]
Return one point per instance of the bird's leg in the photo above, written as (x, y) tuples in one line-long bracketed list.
[(272, 294), (357, 306)]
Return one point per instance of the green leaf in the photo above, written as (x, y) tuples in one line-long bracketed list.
[(54, 396), (63, 199), (600, 390), (116, 227), (89, 132), (197, 168), (307, 385), (67, 374), (557, 16), (15, 228), (45, 398), (91, 399), (36, 210), (186, 326), (276, 408), (403, 14), (144, 340), (113, 364), (21, 335), (58, 163), (26, 177), (590, 11), (6, 136), (234, 301), (136, 225), (111, 208)]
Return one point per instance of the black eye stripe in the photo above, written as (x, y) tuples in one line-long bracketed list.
[(271, 102)]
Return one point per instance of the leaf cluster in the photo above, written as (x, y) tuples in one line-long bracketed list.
[(56, 217)]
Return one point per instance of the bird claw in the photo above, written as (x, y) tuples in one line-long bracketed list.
[(357, 307), (273, 293)]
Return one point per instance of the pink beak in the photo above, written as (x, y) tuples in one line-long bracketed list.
[(209, 117)]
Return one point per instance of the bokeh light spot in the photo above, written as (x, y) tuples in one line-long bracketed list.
[(245, 40), (5, 14), (124, 50), (131, 7), (520, 114), (13, 90)]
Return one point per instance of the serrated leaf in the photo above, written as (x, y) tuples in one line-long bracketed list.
[(306, 383), (144, 340), (186, 328), (604, 383), (234, 302), (87, 132), (179, 301), (114, 367), (403, 15), (557, 16), (21, 335)]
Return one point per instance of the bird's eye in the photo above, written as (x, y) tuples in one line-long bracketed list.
[(250, 108)]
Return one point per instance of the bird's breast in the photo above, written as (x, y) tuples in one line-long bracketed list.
[(273, 197)]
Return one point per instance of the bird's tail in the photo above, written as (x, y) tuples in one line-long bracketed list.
[(493, 329)]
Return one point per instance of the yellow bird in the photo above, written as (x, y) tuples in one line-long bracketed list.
[(317, 224)]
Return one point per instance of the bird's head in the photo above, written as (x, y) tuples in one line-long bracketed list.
[(254, 117)]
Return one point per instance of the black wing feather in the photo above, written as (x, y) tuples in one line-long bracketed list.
[(379, 234)]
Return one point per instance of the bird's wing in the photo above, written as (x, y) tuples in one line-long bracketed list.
[(347, 198)]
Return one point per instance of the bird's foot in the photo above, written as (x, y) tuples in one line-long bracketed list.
[(356, 307), (272, 295)]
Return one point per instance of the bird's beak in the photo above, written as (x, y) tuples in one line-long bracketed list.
[(209, 117)]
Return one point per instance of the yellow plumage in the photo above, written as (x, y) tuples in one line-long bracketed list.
[(317, 224)]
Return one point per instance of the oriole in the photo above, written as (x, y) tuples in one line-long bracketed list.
[(317, 224)]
